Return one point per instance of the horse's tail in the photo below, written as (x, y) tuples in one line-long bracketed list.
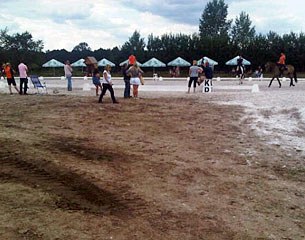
[(295, 76)]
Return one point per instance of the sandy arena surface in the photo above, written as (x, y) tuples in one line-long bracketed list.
[(223, 165)]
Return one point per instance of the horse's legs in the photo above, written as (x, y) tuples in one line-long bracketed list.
[(291, 82), (280, 85), (270, 82), (242, 76)]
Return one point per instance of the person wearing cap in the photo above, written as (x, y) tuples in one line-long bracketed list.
[(132, 60), (9, 72)]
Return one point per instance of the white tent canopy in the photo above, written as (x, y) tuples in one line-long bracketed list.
[(153, 62), (103, 62), (206, 59), (179, 62), (53, 63), (233, 61), (79, 63)]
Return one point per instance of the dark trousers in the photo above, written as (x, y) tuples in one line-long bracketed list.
[(105, 88), (194, 80), (127, 88), (23, 81)]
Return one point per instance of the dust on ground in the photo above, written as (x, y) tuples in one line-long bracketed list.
[(178, 167)]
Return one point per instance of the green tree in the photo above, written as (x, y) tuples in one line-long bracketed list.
[(213, 22), (20, 42), (242, 32), (20, 47), (291, 46), (256, 51), (300, 57), (135, 45), (154, 44), (214, 31), (83, 46), (274, 45)]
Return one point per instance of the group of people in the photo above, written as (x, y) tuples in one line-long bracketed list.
[(198, 73), (8, 72), (132, 75)]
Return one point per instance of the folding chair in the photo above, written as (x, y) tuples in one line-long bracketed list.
[(37, 84)]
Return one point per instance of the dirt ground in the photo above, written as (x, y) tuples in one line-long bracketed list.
[(154, 168)]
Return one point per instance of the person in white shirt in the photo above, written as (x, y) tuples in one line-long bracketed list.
[(107, 85), (23, 69), (68, 74)]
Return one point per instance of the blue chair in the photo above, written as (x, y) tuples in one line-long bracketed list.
[(38, 85)]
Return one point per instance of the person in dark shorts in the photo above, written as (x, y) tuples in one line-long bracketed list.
[(9, 72), (194, 73)]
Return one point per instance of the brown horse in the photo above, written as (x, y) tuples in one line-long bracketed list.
[(275, 70)]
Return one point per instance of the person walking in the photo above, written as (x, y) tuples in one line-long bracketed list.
[(96, 80), (107, 85), (9, 72), (193, 74), (68, 74), (126, 78), (135, 73), (23, 69)]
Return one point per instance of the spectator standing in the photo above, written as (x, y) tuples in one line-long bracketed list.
[(96, 80), (177, 71), (107, 85), (193, 74), (68, 74), (9, 72), (208, 71), (23, 69), (135, 71), (126, 77)]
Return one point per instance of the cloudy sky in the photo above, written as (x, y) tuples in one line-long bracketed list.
[(109, 23)]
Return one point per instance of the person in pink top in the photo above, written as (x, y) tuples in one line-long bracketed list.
[(23, 70)]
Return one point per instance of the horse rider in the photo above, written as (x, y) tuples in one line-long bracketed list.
[(240, 68), (282, 63), (240, 65)]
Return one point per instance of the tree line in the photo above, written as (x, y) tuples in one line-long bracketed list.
[(218, 38)]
